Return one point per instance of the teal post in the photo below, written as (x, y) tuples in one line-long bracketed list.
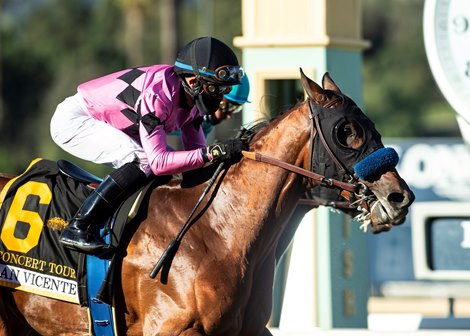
[(342, 271), (342, 261)]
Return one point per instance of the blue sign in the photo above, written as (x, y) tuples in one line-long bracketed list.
[(448, 244)]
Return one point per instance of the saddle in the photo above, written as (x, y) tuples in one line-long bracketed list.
[(81, 175)]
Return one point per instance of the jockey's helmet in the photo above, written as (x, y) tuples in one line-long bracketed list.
[(210, 60)]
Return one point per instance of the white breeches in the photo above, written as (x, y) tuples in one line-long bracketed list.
[(79, 134)]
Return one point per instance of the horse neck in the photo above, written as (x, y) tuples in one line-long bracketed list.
[(269, 193), (286, 138)]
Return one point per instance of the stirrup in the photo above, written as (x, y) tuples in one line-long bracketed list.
[(87, 249), (84, 248)]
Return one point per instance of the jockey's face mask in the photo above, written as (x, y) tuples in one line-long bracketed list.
[(206, 103)]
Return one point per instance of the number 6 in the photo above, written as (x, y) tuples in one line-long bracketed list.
[(16, 214)]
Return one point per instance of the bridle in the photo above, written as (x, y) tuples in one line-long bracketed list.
[(354, 191)]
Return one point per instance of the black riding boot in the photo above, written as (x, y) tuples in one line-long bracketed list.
[(82, 234)]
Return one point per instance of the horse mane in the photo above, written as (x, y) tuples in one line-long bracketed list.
[(253, 128)]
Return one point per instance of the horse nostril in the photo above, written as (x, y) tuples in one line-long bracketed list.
[(396, 197)]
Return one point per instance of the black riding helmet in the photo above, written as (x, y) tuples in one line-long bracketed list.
[(211, 61)]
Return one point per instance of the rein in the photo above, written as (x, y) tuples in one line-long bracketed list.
[(164, 263), (321, 180)]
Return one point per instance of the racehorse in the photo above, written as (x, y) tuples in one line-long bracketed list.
[(220, 280)]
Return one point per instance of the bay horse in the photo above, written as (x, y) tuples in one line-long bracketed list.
[(221, 278)]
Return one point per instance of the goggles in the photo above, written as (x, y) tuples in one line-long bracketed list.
[(225, 73), (215, 90), (228, 107)]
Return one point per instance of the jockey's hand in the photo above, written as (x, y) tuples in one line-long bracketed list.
[(227, 150)]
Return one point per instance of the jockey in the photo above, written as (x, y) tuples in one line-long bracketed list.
[(122, 120)]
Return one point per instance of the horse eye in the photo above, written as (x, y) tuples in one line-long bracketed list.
[(349, 135), (348, 130)]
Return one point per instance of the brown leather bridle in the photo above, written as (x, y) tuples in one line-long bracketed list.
[(351, 190)]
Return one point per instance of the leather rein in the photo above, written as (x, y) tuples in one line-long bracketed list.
[(320, 180)]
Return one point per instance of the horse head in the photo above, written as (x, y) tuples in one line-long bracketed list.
[(350, 149)]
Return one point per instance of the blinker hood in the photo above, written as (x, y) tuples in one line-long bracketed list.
[(330, 121)]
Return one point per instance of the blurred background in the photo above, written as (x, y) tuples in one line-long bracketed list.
[(48, 47)]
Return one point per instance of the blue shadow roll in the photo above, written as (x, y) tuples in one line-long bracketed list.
[(376, 163)]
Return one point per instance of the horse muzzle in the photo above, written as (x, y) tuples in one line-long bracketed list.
[(384, 216)]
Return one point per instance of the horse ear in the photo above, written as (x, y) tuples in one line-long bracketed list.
[(328, 83), (314, 91)]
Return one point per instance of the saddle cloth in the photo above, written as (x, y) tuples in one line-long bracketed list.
[(34, 208)]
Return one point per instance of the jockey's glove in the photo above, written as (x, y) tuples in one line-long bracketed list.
[(227, 150)]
